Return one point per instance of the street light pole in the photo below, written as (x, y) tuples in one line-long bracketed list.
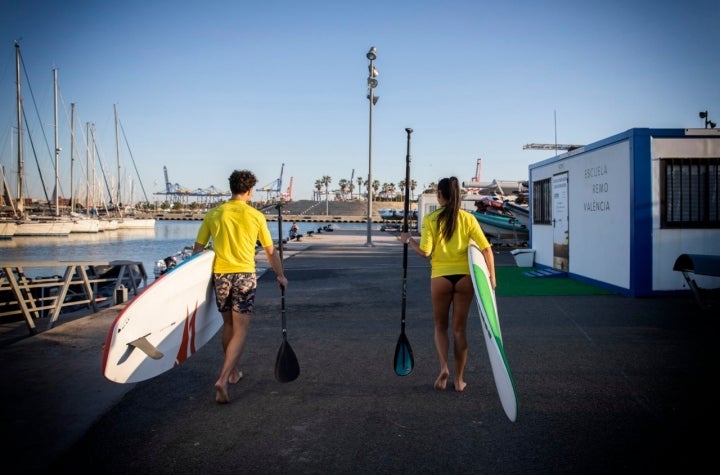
[(372, 84)]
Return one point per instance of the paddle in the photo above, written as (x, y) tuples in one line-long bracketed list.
[(287, 367), (404, 361)]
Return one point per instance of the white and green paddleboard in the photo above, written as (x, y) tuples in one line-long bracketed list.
[(485, 298)]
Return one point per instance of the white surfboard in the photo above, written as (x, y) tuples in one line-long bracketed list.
[(485, 299), (165, 324)]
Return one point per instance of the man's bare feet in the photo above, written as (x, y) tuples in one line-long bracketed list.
[(441, 380), (221, 394), (235, 376), (460, 385)]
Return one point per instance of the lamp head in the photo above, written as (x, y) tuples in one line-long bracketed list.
[(711, 124), (372, 83), (372, 54), (703, 115), (374, 98), (373, 73)]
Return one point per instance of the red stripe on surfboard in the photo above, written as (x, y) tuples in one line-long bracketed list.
[(187, 345)]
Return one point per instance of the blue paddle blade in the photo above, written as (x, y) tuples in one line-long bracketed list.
[(404, 361)]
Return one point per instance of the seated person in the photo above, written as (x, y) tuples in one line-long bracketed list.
[(294, 232)]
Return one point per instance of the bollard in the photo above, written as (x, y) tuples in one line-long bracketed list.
[(121, 294)]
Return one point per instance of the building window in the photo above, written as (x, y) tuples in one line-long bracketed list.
[(690, 193), (542, 202)]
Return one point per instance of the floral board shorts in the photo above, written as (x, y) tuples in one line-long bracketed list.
[(235, 291)]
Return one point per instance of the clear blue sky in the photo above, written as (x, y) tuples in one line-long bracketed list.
[(207, 87)]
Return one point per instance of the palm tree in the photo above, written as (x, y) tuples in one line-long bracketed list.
[(413, 185), (318, 187), (401, 185), (326, 180), (343, 184), (391, 191), (360, 181), (375, 186)]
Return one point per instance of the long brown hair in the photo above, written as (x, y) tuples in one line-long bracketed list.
[(449, 188)]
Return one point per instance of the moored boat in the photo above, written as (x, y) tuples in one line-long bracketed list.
[(82, 224), (390, 214), (521, 212), (136, 223), (502, 227), (43, 227)]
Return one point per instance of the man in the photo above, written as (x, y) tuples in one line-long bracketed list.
[(235, 227)]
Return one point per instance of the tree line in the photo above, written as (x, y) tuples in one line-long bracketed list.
[(381, 192)]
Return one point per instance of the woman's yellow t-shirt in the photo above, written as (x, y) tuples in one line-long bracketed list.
[(450, 258)]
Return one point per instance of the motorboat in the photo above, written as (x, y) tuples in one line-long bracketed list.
[(502, 226), (521, 212)]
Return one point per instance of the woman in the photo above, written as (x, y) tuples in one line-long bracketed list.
[(445, 236)]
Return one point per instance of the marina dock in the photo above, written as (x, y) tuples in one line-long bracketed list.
[(85, 284)]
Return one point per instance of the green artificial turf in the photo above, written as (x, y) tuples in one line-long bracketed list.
[(512, 282)]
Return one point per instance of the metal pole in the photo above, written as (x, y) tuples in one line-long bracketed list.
[(371, 55), (370, 189)]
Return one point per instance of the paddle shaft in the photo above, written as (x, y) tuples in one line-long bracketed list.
[(405, 229), (282, 289)]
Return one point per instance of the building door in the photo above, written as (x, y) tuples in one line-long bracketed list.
[(561, 236)]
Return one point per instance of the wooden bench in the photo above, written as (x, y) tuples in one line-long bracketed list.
[(699, 264)]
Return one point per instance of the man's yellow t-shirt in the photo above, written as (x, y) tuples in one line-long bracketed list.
[(450, 258), (235, 228)]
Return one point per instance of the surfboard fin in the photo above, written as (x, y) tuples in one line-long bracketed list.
[(146, 347)]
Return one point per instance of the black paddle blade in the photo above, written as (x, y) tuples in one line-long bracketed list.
[(404, 361), (287, 367)]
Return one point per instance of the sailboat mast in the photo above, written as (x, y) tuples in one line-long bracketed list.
[(20, 204), (57, 147), (117, 150), (90, 178), (72, 155)]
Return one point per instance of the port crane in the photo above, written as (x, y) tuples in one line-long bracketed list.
[(274, 187)]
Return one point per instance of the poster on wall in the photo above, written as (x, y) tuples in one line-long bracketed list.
[(561, 230)]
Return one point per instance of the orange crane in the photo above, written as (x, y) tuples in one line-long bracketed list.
[(287, 196)]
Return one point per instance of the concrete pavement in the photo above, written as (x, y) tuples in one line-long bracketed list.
[(606, 384)]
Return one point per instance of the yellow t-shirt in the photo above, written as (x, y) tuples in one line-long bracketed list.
[(235, 228), (449, 258)]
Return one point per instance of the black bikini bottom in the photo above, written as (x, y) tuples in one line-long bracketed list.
[(454, 278)]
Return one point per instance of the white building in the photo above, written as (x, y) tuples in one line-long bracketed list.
[(620, 211)]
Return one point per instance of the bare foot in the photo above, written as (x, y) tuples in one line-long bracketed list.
[(221, 394), (235, 376), (441, 380), (460, 385)]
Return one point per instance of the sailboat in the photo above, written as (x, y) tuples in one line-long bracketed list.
[(32, 225)]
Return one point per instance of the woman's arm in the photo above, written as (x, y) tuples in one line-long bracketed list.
[(490, 262), (407, 239)]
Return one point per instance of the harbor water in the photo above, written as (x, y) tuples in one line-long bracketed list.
[(142, 245)]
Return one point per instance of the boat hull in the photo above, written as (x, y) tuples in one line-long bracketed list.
[(502, 227), (44, 228)]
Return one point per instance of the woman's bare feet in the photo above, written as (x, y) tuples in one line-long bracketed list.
[(235, 376), (221, 394), (460, 385), (441, 380)]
